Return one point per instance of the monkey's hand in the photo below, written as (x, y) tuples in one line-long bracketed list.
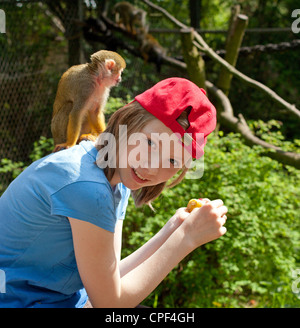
[(87, 136), (59, 147), (193, 203)]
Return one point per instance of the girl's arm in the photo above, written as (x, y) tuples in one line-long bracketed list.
[(152, 245), (137, 257), (99, 266), (118, 238)]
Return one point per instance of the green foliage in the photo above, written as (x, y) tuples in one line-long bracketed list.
[(41, 148), (8, 166), (115, 103), (251, 265), (270, 132)]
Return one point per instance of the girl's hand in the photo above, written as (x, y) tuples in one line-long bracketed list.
[(196, 203), (181, 214), (176, 220), (206, 223)]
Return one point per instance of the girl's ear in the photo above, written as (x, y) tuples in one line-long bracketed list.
[(110, 64)]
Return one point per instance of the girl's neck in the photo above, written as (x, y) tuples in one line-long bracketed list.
[(115, 180)]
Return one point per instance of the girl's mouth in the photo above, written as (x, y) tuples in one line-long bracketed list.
[(137, 177)]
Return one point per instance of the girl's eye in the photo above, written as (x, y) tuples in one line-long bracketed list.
[(150, 143), (173, 162)]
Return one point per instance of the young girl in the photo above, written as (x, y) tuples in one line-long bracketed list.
[(61, 219)]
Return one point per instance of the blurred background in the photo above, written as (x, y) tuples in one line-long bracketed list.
[(256, 263)]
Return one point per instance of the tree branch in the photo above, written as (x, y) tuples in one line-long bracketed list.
[(239, 125), (166, 13), (251, 82), (211, 53), (101, 30)]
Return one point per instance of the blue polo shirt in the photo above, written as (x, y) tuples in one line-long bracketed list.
[(37, 258)]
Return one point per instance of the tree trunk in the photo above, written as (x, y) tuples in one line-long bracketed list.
[(73, 32), (195, 12), (194, 61), (234, 40)]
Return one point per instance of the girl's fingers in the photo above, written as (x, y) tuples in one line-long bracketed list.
[(223, 230), (182, 213), (217, 202), (222, 210), (223, 219), (204, 200)]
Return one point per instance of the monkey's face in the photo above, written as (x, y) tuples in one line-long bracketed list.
[(118, 76), (115, 77), (113, 73)]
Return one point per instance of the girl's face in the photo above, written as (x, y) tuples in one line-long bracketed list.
[(153, 156)]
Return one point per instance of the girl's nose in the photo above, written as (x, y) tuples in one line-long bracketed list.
[(149, 168)]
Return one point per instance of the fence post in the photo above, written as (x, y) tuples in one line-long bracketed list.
[(194, 61), (234, 40)]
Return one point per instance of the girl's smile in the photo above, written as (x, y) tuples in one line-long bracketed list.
[(136, 176)]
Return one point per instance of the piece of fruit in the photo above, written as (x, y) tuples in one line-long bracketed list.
[(193, 203)]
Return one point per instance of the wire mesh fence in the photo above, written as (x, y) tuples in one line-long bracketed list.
[(27, 82)]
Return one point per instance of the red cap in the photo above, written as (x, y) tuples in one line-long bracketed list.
[(167, 99)]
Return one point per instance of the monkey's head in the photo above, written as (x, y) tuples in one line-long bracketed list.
[(108, 65)]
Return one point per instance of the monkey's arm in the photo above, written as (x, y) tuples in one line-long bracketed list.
[(97, 122), (96, 125)]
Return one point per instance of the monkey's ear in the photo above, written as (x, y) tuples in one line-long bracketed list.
[(110, 64)]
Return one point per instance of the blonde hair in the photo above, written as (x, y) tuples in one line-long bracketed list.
[(135, 117)]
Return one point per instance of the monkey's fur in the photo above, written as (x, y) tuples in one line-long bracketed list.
[(78, 110)]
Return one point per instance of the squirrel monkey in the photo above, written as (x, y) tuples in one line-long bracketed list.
[(78, 110), (130, 16)]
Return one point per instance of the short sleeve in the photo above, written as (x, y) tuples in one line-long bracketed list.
[(121, 210), (87, 201)]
